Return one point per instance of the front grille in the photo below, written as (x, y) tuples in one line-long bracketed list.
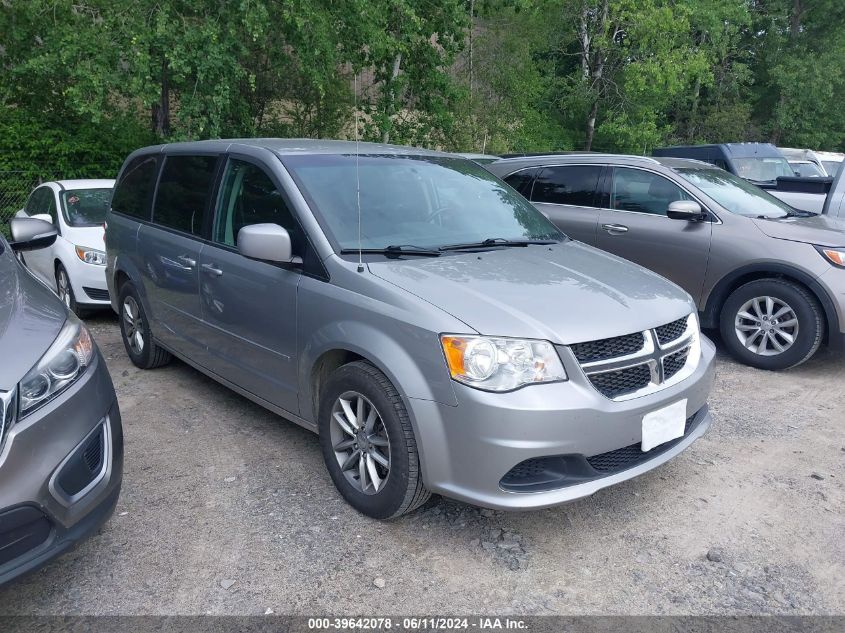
[(21, 531), (93, 453), (674, 363), (629, 456), (671, 331), (605, 348), (8, 406), (96, 294), (616, 383)]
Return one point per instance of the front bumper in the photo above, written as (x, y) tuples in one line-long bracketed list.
[(45, 507), (468, 449), (89, 284), (832, 282)]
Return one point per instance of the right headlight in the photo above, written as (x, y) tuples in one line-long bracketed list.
[(501, 364), (835, 256), (66, 360)]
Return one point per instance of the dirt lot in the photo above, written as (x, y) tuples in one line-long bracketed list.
[(227, 508)]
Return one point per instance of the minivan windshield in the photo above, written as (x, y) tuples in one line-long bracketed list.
[(85, 207), (735, 194), (414, 201), (762, 169)]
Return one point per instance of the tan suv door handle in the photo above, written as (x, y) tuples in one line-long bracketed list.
[(615, 229), (211, 270)]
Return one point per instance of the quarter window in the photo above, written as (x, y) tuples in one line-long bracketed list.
[(248, 196), (643, 191), (184, 191), (574, 185), (134, 192), (522, 181)]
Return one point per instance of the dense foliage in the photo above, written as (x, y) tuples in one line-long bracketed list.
[(85, 81)]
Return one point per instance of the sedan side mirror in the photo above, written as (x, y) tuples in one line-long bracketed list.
[(688, 210), (29, 234), (267, 242)]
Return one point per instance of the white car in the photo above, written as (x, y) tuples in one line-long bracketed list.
[(75, 265)]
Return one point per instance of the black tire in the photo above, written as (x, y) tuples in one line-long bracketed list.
[(403, 490), (805, 307), (65, 292), (149, 354)]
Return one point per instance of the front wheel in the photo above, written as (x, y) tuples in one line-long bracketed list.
[(368, 443), (772, 324), (65, 291)]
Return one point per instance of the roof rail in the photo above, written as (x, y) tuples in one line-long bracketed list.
[(597, 154)]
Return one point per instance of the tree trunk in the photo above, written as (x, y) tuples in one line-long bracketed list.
[(591, 126), (391, 97), (161, 110)]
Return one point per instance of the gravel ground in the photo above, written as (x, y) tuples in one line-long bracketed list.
[(227, 508)]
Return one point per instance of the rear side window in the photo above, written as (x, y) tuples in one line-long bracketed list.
[(183, 193), (250, 197), (573, 185), (134, 191), (522, 181)]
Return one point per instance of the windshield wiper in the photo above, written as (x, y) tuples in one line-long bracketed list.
[(494, 241), (394, 250)]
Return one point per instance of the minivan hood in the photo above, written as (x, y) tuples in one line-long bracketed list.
[(31, 317), (564, 293), (822, 230), (87, 236)]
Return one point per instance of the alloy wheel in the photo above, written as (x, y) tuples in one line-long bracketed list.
[(766, 325), (360, 442), (133, 325), (63, 284)]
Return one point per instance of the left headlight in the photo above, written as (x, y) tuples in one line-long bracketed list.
[(501, 364), (91, 256), (66, 360)]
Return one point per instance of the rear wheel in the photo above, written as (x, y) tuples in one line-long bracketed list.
[(368, 443), (772, 324), (143, 351)]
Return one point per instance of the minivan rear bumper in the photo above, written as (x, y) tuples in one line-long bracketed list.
[(469, 452)]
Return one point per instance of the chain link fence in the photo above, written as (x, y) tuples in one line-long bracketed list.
[(15, 187)]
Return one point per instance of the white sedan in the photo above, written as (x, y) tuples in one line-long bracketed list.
[(75, 265)]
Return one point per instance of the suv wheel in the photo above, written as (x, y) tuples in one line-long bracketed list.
[(771, 324), (368, 443), (135, 331)]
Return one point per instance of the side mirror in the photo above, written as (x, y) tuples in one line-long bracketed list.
[(29, 234), (267, 242), (42, 216), (688, 210)]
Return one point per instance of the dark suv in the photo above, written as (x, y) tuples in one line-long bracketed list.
[(770, 277)]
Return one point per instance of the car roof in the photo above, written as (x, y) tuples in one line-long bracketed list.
[(84, 183), (601, 159), (293, 146)]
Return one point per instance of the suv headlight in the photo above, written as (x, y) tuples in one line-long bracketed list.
[(501, 364), (66, 360), (835, 256), (91, 256)]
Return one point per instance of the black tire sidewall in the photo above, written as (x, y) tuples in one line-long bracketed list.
[(806, 310), (387, 502), (141, 360), (74, 306)]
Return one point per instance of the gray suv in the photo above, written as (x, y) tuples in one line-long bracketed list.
[(770, 277), (61, 440), (438, 332)]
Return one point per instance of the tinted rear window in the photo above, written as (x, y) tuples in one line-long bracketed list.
[(183, 193), (574, 185), (522, 181), (134, 190)]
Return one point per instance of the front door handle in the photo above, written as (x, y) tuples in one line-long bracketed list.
[(190, 263), (615, 229), (211, 270)]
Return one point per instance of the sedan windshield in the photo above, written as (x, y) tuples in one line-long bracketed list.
[(807, 170), (414, 202), (85, 207), (762, 169), (735, 194)]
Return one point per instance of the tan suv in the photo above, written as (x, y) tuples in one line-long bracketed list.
[(771, 278)]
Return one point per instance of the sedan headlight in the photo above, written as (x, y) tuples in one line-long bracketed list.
[(91, 256), (501, 364), (835, 256), (66, 360)]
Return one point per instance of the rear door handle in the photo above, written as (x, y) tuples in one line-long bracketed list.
[(211, 270), (190, 263), (615, 229)]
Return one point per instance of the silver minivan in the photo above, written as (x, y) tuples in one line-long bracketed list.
[(437, 331)]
